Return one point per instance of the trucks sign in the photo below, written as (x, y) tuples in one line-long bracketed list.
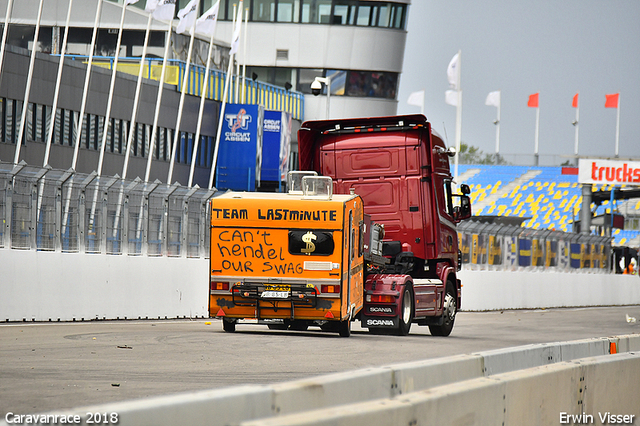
[(609, 172)]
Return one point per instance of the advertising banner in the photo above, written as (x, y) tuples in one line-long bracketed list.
[(275, 146), (524, 253), (610, 172), (240, 152)]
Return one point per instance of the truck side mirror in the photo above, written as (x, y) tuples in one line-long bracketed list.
[(464, 188), (463, 210)]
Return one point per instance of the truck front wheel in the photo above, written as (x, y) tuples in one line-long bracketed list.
[(449, 314), (405, 316)]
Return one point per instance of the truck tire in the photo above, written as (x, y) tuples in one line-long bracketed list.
[(228, 326), (449, 314), (405, 315), (344, 329)]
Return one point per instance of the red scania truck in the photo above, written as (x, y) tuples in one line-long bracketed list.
[(400, 168)]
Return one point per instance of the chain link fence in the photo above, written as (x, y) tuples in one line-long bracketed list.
[(55, 210), (487, 246)]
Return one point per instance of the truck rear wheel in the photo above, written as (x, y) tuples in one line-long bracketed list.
[(344, 328), (449, 314), (228, 326), (405, 316)]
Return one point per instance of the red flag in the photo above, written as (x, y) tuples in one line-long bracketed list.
[(575, 101), (533, 100), (611, 100)]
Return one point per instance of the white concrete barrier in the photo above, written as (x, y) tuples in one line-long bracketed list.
[(589, 388), (477, 384), (49, 286), (497, 290)]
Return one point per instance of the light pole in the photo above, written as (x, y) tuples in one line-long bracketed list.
[(316, 89)]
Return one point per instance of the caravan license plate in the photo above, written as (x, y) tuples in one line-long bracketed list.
[(275, 294)]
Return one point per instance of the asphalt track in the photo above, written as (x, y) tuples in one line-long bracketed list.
[(53, 366)]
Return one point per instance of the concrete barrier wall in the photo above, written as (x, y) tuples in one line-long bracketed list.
[(473, 389), (495, 290), (587, 388), (49, 286)]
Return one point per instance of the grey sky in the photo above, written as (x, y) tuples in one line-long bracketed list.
[(555, 47)]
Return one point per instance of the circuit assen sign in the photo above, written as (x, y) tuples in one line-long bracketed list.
[(612, 172)]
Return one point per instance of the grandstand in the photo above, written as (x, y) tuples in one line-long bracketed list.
[(547, 197)]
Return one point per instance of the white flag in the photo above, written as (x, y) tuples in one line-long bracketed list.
[(187, 17), (162, 10), (451, 97), (235, 41), (128, 2), (416, 98), (453, 71), (493, 99), (206, 24)]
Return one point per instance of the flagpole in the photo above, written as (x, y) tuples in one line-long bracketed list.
[(156, 116), (236, 97), (576, 123), (56, 94), (535, 148), (618, 127), (5, 30), (185, 81), (244, 54), (83, 104), (196, 143), (136, 99), (132, 131), (54, 107), (112, 86), (222, 107), (458, 116), (25, 103), (497, 123), (86, 86)]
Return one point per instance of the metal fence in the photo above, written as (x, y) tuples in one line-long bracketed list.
[(55, 210), (512, 248)]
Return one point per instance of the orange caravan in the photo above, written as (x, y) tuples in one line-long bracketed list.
[(287, 260)]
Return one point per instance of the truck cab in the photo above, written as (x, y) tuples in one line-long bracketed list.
[(400, 168)]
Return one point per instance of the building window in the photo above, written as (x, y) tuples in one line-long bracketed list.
[(364, 15), (316, 11), (352, 83), (372, 84), (263, 10), (344, 12), (288, 10)]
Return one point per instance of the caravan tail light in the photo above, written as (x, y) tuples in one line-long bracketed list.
[(329, 288), (215, 285)]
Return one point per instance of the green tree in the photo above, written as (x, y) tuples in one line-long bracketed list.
[(473, 155)]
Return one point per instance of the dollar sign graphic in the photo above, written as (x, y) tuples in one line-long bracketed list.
[(307, 238)]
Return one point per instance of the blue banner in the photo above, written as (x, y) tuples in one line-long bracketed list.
[(276, 139), (524, 253), (240, 152)]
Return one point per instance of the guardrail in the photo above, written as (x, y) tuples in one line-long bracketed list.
[(533, 384)]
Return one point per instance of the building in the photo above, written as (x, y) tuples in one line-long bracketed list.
[(357, 45)]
